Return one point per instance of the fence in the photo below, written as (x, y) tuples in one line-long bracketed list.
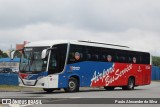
[(12, 79), (8, 79), (155, 73)]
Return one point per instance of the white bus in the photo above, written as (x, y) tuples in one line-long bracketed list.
[(69, 65)]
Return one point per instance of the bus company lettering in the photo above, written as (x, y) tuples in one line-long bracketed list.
[(74, 68), (110, 75)]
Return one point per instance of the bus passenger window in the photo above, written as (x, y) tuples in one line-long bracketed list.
[(88, 57), (81, 56), (109, 58), (103, 57), (134, 60), (72, 57), (95, 57)]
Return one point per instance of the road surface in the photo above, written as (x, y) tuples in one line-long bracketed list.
[(60, 97)]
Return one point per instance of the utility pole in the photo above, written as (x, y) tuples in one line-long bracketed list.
[(10, 54)]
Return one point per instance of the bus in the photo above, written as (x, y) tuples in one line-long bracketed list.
[(69, 65)]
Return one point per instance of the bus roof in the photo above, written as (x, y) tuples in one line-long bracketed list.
[(50, 43)]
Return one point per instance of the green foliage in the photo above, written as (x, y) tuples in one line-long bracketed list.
[(156, 61), (17, 54), (3, 55)]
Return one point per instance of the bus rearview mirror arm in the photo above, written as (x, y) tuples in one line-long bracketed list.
[(45, 53), (12, 54)]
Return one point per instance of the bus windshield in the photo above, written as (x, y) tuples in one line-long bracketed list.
[(31, 61)]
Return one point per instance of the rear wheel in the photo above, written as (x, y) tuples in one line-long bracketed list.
[(130, 85), (109, 88), (73, 85), (48, 90)]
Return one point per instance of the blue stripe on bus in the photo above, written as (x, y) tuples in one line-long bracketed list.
[(84, 70)]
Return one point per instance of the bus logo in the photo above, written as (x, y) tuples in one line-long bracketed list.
[(6, 101), (73, 68)]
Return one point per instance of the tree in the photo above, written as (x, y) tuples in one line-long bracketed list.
[(17, 54), (3, 55), (156, 61), (1, 52)]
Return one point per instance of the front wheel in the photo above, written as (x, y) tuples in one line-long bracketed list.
[(48, 90), (73, 85)]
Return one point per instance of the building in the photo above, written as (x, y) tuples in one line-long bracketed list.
[(8, 63), (21, 46), (18, 46)]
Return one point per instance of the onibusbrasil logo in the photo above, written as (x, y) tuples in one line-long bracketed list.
[(21, 101)]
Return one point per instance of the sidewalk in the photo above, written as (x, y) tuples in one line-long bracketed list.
[(6, 88)]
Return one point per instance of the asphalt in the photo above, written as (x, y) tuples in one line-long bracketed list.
[(89, 96)]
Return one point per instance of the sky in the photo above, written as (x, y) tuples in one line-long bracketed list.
[(134, 23)]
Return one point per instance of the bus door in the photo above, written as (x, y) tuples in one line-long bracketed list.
[(57, 58)]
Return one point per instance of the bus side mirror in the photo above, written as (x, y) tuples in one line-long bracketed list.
[(12, 55), (44, 53)]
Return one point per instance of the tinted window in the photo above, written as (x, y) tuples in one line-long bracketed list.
[(91, 53), (146, 58), (57, 58), (80, 53), (108, 55), (75, 54)]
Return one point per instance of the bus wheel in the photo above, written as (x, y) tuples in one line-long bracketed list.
[(73, 85), (109, 88), (48, 90), (130, 85)]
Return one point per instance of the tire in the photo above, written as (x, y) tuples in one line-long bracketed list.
[(73, 85), (130, 85), (109, 88), (48, 90)]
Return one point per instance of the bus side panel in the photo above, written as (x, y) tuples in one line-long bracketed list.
[(116, 76), (85, 71), (147, 74), (121, 74), (143, 74), (97, 74)]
